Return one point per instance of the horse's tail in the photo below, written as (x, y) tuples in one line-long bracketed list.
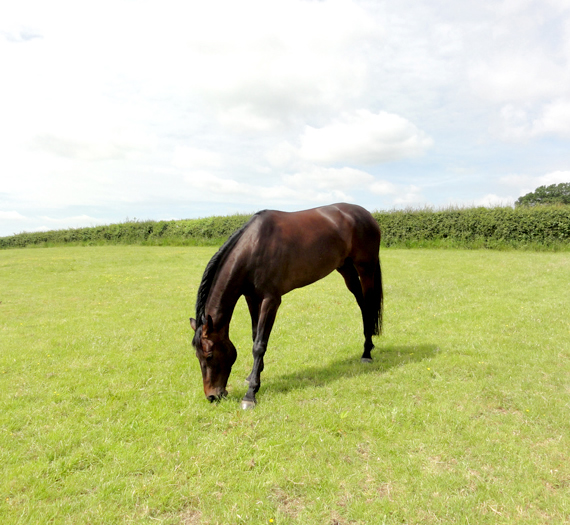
[(378, 298)]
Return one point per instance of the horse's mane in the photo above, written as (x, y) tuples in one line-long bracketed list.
[(212, 269)]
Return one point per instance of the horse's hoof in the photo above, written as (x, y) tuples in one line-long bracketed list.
[(366, 360), (247, 405)]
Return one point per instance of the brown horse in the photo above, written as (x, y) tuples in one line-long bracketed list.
[(274, 253)]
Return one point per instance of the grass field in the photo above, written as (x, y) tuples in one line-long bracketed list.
[(464, 416)]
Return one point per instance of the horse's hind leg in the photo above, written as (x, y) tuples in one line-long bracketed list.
[(352, 281), (367, 317), (356, 286)]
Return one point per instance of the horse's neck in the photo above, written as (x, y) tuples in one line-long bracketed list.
[(224, 295)]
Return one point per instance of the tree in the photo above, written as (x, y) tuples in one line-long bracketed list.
[(553, 194)]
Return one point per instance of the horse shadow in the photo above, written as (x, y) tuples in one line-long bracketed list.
[(320, 375)]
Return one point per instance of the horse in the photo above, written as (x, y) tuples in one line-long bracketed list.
[(274, 253)]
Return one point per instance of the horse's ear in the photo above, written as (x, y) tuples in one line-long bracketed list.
[(193, 324)]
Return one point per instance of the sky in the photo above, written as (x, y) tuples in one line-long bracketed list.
[(120, 109)]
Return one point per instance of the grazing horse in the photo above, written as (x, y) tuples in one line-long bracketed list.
[(274, 253)]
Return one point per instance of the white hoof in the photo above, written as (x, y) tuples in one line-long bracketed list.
[(247, 405)]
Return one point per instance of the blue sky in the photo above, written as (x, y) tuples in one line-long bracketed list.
[(160, 110)]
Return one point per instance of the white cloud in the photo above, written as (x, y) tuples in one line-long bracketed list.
[(410, 196), (282, 155), (329, 178), (196, 158), (522, 68), (554, 177), (11, 215), (270, 194), (14, 222), (524, 184), (284, 60), (365, 138), (491, 200), (247, 118), (514, 123), (89, 150), (555, 119), (311, 184), (78, 221), (383, 187), (516, 78)]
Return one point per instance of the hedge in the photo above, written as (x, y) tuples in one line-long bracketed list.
[(547, 226), (542, 227)]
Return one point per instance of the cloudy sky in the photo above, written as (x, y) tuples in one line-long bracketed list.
[(166, 109)]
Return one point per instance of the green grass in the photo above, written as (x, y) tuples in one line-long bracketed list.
[(464, 416)]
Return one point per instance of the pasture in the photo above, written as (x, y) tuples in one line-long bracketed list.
[(464, 416)]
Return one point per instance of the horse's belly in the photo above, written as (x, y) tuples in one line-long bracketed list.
[(304, 271)]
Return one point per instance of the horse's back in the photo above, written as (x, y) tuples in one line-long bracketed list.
[(293, 249)]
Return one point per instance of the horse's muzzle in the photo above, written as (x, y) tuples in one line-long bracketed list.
[(217, 397)]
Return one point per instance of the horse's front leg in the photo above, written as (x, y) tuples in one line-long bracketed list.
[(267, 314), (253, 303)]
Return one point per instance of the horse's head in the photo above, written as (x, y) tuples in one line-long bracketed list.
[(216, 354)]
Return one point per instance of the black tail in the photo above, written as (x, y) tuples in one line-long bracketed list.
[(378, 298)]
